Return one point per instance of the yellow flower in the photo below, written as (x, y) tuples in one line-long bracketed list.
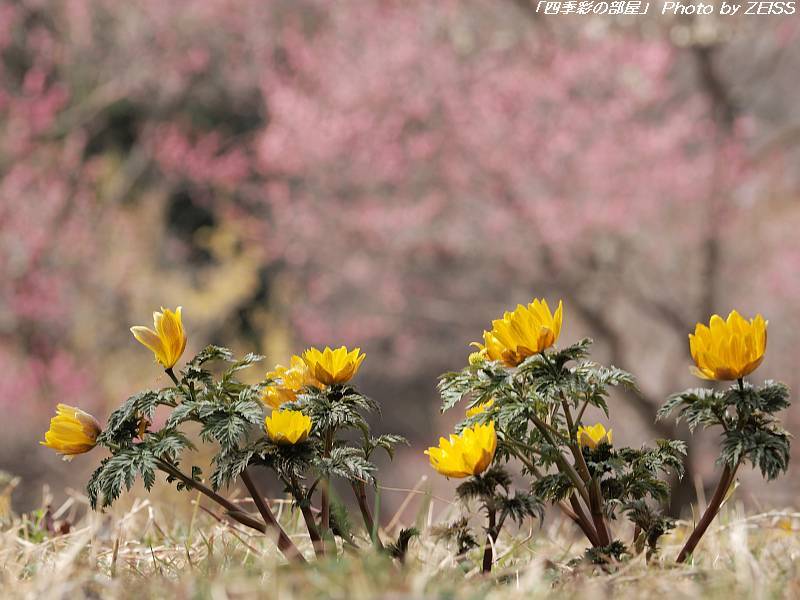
[(476, 358), (168, 341), (594, 435), (72, 431), (728, 349), (522, 333), (287, 426), (333, 366), (482, 407), (288, 381), (468, 453)]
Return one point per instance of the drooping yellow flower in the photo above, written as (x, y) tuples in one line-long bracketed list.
[(482, 407), (72, 431), (523, 332), (330, 367), (594, 435), (287, 382), (468, 453), (287, 426), (728, 349), (168, 341)]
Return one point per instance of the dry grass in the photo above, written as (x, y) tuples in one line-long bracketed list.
[(151, 551)]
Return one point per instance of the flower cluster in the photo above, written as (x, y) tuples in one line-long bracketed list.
[(526, 404), (532, 397), (286, 382), (307, 405)]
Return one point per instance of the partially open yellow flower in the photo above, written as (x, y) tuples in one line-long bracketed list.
[(523, 332), (330, 367), (728, 349), (594, 435), (482, 407), (468, 453), (287, 426), (168, 341), (72, 431), (476, 358), (288, 382)]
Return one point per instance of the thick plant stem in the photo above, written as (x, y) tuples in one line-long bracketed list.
[(563, 465), (577, 513), (491, 538), (597, 514), (325, 491), (233, 511), (711, 511), (285, 544), (583, 522), (568, 416), (303, 502), (595, 495), (360, 491), (313, 532), (171, 374)]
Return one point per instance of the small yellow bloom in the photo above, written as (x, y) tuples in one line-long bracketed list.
[(594, 435), (522, 333), (480, 408), (728, 349), (468, 453), (287, 382), (168, 341), (333, 366), (72, 431), (287, 426), (476, 358)]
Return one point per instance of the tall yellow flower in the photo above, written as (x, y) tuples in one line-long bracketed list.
[(468, 453), (72, 431), (594, 435), (333, 366), (287, 382), (523, 332), (168, 341), (728, 349), (287, 426)]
